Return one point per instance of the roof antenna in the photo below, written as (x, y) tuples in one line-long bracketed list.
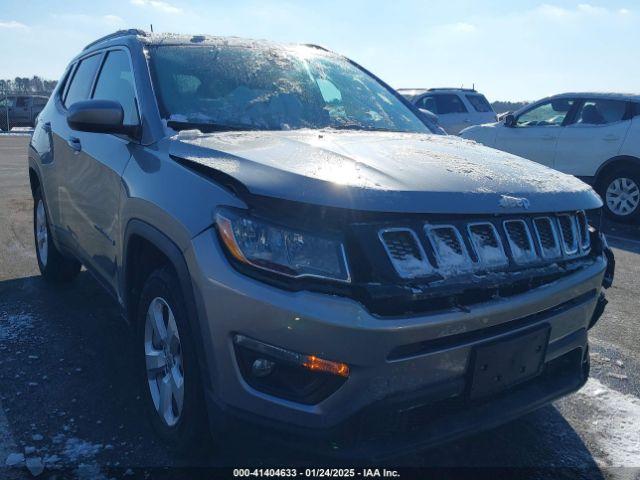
[(151, 24)]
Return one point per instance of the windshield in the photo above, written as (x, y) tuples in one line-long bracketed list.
[(273, 89)]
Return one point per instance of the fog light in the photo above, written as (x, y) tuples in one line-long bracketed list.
[(262, 367), (291, 375)]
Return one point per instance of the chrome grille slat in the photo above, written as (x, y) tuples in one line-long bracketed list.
[(449, 248), (406, 252), (487, 245), (569, 233), (520, 241), (583, 229), (547, 236)]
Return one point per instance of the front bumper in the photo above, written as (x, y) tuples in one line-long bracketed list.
[(412, 361)]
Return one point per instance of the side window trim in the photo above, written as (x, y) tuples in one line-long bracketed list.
[(67, 81), (93, 81), (105, 53), (572, 114)]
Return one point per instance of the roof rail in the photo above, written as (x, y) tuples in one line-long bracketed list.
[(319, 47), (453, 88), (119, 33)]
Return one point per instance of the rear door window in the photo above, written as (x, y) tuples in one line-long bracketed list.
[(601, 112), (115, 82), (80, 86), (479, 103)]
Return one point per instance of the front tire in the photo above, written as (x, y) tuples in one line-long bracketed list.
[(170, 374), (53, 265)]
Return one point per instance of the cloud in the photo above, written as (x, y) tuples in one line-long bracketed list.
[(158, 4), (582, 10), (113, 19), (462, 27), (13, 24)]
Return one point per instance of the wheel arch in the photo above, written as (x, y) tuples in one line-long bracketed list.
[(613, 164), (143, 242), (34, 180)]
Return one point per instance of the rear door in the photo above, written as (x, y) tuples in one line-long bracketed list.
[(596, 135), (452, 113), (95, 179), (537, 130), (67, 151)]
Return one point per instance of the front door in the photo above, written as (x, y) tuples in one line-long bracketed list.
[(96, 181), (536, 131)]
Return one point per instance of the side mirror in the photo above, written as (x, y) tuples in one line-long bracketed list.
[(509, 120), (99, 116)]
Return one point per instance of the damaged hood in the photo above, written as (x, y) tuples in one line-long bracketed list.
[(384, 171)]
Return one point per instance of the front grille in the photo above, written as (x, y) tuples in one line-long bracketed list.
[(461, 247), (406, 253), (569, 234), (547, 237), (487, 245), (583, 230), (520, 241), (448, 246)]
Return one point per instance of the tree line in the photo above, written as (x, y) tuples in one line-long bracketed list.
[(34, 84)]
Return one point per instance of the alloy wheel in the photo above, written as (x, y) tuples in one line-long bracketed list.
[(164, 361), (623, 196), (42, 237)]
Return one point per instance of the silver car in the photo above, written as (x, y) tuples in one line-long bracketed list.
[(296, 249)]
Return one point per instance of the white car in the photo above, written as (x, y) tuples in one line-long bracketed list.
[(594, 136), (456, 108)]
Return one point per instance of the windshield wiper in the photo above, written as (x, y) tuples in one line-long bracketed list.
[(208, 127)]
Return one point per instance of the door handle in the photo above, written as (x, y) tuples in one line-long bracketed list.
[(46, 126), (74, 143), (610, 138)]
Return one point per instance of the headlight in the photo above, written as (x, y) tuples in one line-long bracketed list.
[(282, 250)]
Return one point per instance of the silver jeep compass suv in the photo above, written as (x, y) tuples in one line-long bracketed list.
[(295, 248)]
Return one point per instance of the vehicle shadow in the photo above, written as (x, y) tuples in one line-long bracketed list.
[(74, 336), (622, 236)]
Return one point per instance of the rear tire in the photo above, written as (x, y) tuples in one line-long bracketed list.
[(620, 192), (168, 361), (53, 265)]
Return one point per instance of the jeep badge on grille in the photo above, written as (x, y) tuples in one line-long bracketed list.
[(507, 201)]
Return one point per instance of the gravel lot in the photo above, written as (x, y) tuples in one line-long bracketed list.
[(68, 399)]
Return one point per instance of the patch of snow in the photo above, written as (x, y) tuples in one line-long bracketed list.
[(76, 448), (14, 459), (14, 326), (35, 466), (616, 428)]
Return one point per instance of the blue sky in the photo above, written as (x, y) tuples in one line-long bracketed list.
[(511, 50)]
